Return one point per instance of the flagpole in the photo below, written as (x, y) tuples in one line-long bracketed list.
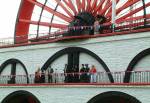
[(113, 21)]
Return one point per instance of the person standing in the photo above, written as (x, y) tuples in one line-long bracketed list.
[(93, 72), (42, 76), (65, 73), (56, 76), (96, 26), (37, 76), (82, 73), (75, 74), (87, 69), (50, 74)]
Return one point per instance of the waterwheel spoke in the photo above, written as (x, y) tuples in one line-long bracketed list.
[(54, 25), (132, 12), (70, 6), (88, 8), (83, 5), (58, 14), (79, 6), (135, 18), (64, 8), (106, 8), (94, 4), (126, 5), (99, 7), (110, 9)]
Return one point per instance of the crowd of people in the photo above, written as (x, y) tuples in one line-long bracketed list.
[(88, 74), (40, 75), (75, 75)]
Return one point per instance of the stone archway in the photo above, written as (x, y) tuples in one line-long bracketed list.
[(20, 97), (134, 62), (113, 97), (13, 63), (74, 53)]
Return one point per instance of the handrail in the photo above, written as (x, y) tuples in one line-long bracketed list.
[(121, 26), (139, 77)]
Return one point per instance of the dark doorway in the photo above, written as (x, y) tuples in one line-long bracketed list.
[(20, 97), (114, 97)]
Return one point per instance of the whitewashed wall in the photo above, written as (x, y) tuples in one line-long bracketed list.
[(76, 94), (116, 51)]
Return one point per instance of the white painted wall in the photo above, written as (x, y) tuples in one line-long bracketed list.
[(77, 94), (87, 59), (116, 51), (144, 64)]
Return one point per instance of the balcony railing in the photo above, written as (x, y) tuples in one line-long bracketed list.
[(125, 26), (134, 77)]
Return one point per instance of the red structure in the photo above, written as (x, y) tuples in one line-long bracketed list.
[(63, 14)]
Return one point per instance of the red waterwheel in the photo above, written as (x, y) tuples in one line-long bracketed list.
[(44, 17)]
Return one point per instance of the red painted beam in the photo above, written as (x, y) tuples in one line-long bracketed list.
[(88, 8), (126, 5), (64, 8), (22, 29), (110, 9), (108, 1), (54, 25), (79, 6), (58, 14), (99, 7), (106, 8), (134, 18), (83, 5), (94, 5), (132, 12), (70, 6)]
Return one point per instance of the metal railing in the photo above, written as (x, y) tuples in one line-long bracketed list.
[(6, 41), (99, 78), (107, 28)]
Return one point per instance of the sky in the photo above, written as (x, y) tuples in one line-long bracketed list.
[(8, 14)]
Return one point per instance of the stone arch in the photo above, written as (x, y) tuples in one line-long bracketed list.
[(79, 49), (113, 97), (134, 62), (13, 61), (20, 96)]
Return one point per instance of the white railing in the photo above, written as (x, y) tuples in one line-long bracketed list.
[(6, 41), (139, 77)]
